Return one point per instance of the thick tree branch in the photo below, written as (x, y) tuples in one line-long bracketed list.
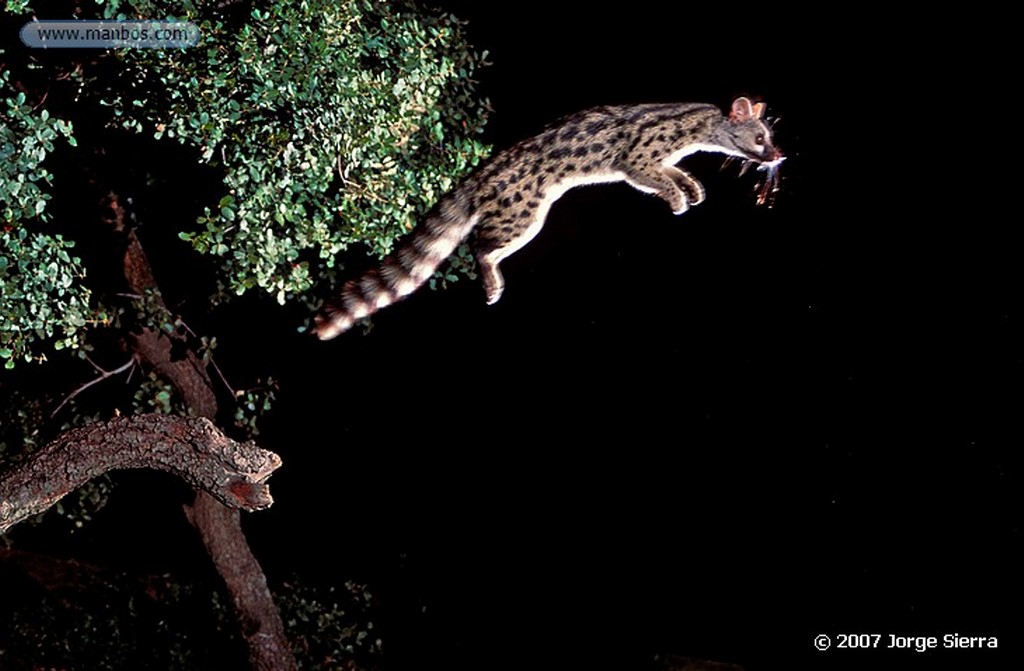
[(191, 448)]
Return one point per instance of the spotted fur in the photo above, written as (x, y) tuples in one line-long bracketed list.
[(503, 205)]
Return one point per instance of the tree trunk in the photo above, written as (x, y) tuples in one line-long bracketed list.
[(219, 527)]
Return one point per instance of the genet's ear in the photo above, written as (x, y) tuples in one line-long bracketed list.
[(741, 111), (759, 110)]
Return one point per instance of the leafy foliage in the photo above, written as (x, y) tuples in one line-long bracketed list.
[(102, 620), (331, 627), (252, 404), (20, 419), (334, 122), (113, 620), (154, 394), (41, 294), (17, 6)]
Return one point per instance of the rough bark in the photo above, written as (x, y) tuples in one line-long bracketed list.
[(191, 448), (219, 527)]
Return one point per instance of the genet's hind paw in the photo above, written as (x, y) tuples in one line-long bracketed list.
[(494, 283), (494, 295)]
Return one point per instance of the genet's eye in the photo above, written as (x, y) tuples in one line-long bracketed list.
[(759, 139)]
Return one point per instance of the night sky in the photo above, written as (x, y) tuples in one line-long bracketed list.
[(716, 435)]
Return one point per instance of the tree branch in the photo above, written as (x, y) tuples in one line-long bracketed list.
[(191, 448)]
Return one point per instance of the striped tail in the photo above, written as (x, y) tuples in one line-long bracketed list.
[(402, 272)]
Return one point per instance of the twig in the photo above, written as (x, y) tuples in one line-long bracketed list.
[(222, 378), (104, 374), (209, 359)]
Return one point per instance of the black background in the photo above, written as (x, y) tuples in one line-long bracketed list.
[(715, 435)]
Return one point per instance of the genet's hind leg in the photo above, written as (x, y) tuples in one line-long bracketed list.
[(494, 282), (496, 239), (490, 245)]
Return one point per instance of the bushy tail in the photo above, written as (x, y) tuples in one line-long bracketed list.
[(404, 271)]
